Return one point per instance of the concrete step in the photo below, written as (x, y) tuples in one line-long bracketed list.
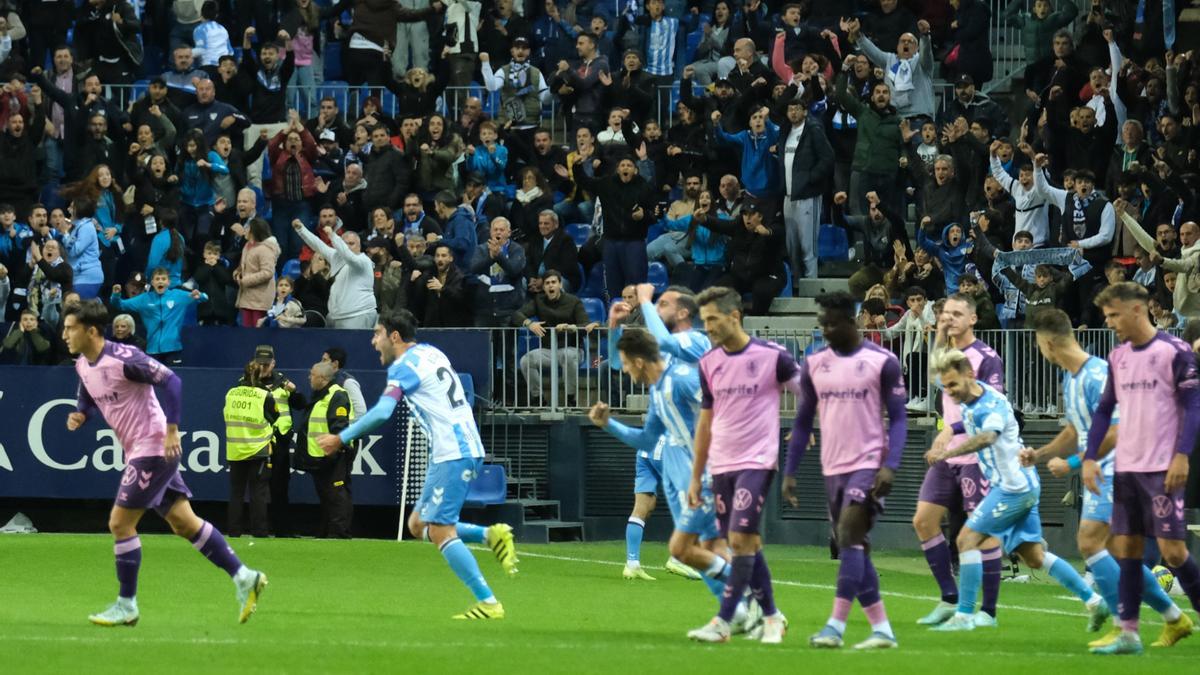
[(780, 324), (811, 288), (547, 531), (637, 402), (797, 306)]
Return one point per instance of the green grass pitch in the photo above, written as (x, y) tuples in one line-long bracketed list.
[(383, 607)]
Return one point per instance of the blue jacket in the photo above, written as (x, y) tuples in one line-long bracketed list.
[(459, 234), (162, 315), (107, 216), (953, 259), (159, 245), (708, 247), (760, 170), (83, 252), (491, 165), (196, 188)]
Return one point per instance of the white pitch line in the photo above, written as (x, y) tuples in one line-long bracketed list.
[(798, 584)]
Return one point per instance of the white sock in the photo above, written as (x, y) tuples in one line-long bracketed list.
[(716, 567), (839, 626), (884, 627), (491, 600), (1172, 614), (131, 603)]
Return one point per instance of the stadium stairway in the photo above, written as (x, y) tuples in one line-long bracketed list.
[(534, 520)]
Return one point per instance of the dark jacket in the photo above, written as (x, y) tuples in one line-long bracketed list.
[(459, 235), (971, 36), (558, 254), (566, 309), (216, 281), (619, 200), (448, 308), (812, 165), (1038, 299), (388, 176), (751, 255)]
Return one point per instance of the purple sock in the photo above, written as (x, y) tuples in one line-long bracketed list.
[(760, 585), (937, 554), (868, 586), (850, 572), (129, 560), (1129, 592), (735, 588), (210, 543), (1188, 576), (993, 560)]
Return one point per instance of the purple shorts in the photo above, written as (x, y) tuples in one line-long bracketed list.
[(151, 483), (740, 496), (954, 486), (1142, 506), (855, 487)]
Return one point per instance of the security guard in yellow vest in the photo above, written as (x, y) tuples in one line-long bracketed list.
[(250, 416), (287, 398), (329, 413)]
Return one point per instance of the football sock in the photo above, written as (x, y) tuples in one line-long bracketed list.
[(715, 585), (1066, 575), (852, 563), (868, 597), (1107, 574), (129, 559), (470, 533), (993, 562), (466, 568), (633, 539), (970, 577), (718, 569), (735, 588), (937, 554), (1156, 597), (760, 585), (1187, 576), (1129, 591), (209, 542)]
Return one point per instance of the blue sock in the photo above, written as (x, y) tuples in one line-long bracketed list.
[(1107, 573), (633, 539), (1066, 575), (466, 568), (470, 533), (1153, 594), (970, 578), (715, 585)]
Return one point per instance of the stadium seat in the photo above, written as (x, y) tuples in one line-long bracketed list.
[(291, 268), (655, 231), (468, 384), (693, 41), (595, 309), (387, 100), (332, 61), (579, 232), (340, 91), (262, 205), (787, 286), (489, 487), (657, 277), (832, 243), (593, 285)]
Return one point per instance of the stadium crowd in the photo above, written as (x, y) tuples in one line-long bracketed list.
[(212, 188)]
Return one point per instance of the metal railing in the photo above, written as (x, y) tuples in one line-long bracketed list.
[(571, 371)]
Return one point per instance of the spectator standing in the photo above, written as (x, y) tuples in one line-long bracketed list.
[(51, 279), (106, 35), (878, 145), (970, 40), (441, 293), (627, 209), (522, 86), (579, 87), (756, 251), (386, 172), (352, 294), (908, 72), (79, 236), (214, 280), (255, 274), (292, 153), (197, 165), (210, 38), (498, 266), (162, 310), (25, 344), (807, 163)]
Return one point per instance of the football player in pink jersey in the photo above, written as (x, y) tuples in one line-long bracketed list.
[(118, 381)]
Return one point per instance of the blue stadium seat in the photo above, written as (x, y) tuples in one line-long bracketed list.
[(468, 384), (593, 286), (657, 276), (787, 286), (340, 91), (332, 60), (595, 309), (579, 232), (291, 268), (262, 205), (693, 41), (832, 243), (489, 487), (655, 231), (389, 103)]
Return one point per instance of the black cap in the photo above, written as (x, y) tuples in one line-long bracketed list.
[(160, 81), (751, 206), (520, 42), (964, 80), (723, 82), (376, 242), (264, 353), (475, 179)]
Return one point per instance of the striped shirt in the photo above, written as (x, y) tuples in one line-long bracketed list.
[(660, 46), (1081, 396)]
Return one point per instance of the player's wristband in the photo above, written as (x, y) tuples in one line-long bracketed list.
[(1074, 461)]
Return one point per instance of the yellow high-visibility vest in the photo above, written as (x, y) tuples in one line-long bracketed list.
[(283, 424), (247, 431), (318, 419)]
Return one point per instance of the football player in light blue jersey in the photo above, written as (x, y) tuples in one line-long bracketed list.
[(670, 322), (1009, 512), (423, 376), (670, 425), (1083, 385)]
